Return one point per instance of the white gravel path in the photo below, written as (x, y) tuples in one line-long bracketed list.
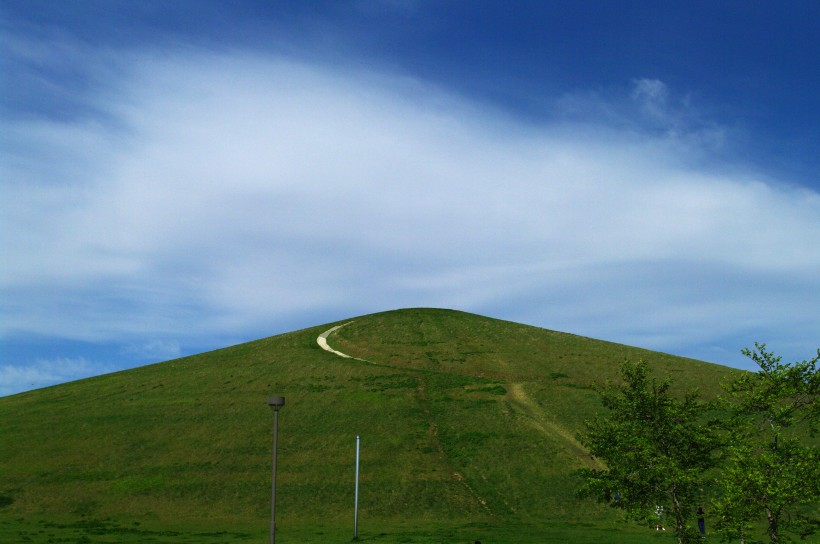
[(322, 341)]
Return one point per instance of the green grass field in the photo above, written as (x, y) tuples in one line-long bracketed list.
[(468, 429), (108, 531)]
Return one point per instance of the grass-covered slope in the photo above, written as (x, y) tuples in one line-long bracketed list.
[(464, 420)]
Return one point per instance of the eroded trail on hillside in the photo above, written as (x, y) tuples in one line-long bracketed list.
[(538, 417)]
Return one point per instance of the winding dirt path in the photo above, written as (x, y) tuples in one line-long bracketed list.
[(322, 341)]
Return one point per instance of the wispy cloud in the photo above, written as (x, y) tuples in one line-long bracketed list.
[(45, 372), (154, 350), (230, 192), (652, 97), (649, 107)]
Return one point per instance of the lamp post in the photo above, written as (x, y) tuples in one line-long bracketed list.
[(275, 403)]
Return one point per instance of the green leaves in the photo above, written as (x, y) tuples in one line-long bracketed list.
[(779, 395), (656, 448), (661, 450), (772, 474)]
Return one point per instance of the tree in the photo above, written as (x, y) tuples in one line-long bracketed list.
[(656, 448), (773, 470)]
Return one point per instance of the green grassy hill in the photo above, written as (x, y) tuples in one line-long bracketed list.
[(468, 429)]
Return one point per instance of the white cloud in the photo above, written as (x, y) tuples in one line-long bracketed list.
[(234, 191)]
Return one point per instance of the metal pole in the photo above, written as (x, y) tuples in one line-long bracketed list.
[(273, 484), (275, 403), (356, 500)]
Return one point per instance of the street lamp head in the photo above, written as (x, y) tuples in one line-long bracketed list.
[(276, 402)]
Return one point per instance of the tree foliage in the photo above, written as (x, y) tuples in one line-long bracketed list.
[(656, 447), (772, 473)]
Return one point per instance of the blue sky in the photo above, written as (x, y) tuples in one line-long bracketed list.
[(178, 177)]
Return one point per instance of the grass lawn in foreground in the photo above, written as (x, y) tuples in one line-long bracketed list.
[(88, 531)]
